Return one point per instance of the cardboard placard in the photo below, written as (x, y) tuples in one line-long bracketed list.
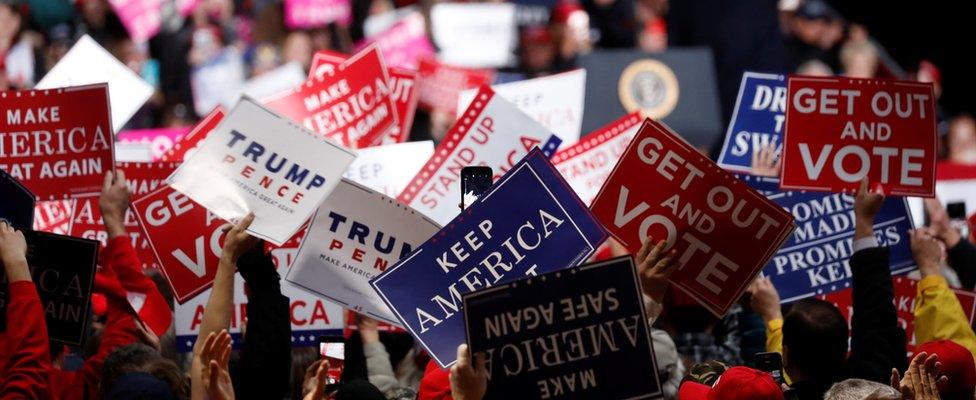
[(305, 14), (58, 142), (956, 183), (906, 290), (133, 152), (814, 260), (581, 325), (404, 42), (53, 216), (555, 101), (142, 18), (493, 133), (402, 89), (528, 223), (355, 235), (587, 164), (218, 80), (439, 85), (757, 120), (388, 169), (160, 140), (723, 232), (352, 105), (460, 29), (63, 270), (186, 146), (17, 207), (258, 161), (839, 130), (88, 63), (141, 178), (185, 238)]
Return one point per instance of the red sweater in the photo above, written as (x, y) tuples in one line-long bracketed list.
[(26, 358), (123, 260)]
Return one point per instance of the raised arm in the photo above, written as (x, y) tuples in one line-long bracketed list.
[(938, 314), (266, 356)]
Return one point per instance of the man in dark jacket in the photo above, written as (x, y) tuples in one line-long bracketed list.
[(815, 333)]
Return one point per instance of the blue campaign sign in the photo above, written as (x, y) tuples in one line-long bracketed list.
[(814, 260), (528, 223), (575, 334), (758, 118), (16, 202)]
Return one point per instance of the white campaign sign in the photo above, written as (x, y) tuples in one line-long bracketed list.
[(555, 101), (587, 164), (388, 169), (88, 63), (460, 29), (258, 161), (357, 234)]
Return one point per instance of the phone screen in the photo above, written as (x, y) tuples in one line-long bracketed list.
[(333, 350), (956, 210), (772, 363), (474, 182)]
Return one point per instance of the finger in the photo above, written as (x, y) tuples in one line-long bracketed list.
[(863, 188), (463, 356), (666, 266), (208, 345), (644, 250), (225, 356), (755, 157), (107, 181), (245, 222), (895, 378), (214, 374), (479, 362), (119, 177), (226, 227)]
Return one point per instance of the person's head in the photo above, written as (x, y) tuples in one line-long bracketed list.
[(962, 139), (860, 59), (10, 22), (957, 365), (814, 67), (734, 384), (814, 340), (297, 48), (137, 371), (860, 389), (538, 52)]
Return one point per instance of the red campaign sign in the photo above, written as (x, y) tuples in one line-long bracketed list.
[(723, 232), (141, 178), (185, 237), (348, 106), (402, 88), (439, 84), (53, 216), (839, 130), (57, 142), (185, 147), (586, 164), (906, 290)]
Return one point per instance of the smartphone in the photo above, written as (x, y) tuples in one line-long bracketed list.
[(333, 349), (957, 216), (772, 363), (474, 182)]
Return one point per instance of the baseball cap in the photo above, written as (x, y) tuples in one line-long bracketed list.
[(957, 365), (736, 383)]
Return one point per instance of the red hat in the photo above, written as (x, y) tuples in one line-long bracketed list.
[(957, 365), (436, 383), (536, 34), (563, 10), (735, 383)]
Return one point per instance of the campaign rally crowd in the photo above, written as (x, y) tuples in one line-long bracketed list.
[(276, 199)]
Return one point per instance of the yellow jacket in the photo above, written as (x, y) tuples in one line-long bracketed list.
[(938, 315)]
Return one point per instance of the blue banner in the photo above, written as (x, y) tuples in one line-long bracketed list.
[(815, 259), (576, 334), (16, 202), (528, 223), (758, 119)]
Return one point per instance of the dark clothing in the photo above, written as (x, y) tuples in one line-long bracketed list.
[(614, 21), (962, 259), (877, 341), (266, 356)]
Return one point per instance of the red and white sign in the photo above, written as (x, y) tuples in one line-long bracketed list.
[(956, 183), (141, 178), (839, 130), (906, 291), (142, 18), (159, 140), (404, 42), (185, 147), (492, 132), (351, 106), (57, 142), (722, 231), (53, 216), (186, 239), (439, 85), (305, 14), (402, 89), (587, 164)]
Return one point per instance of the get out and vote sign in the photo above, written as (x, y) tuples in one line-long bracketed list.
[(722, 231), (839, 130)]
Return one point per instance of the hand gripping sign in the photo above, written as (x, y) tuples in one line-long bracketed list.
[(492, 132), (57, 142), (529, 222), (587, 164), (757, 121), (839, 130), (355, 235), (579, 333), (722, 231), (258, 161), (402, 88), (351, 106)]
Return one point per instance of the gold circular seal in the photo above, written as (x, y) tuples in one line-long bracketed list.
[(650, 87)]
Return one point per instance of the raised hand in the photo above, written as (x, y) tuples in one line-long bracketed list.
[(113, 202), (766, 160), (468, 381), (654, 267), (238, 241), (13, 253)]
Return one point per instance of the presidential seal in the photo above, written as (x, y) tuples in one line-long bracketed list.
[(650, 87)]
